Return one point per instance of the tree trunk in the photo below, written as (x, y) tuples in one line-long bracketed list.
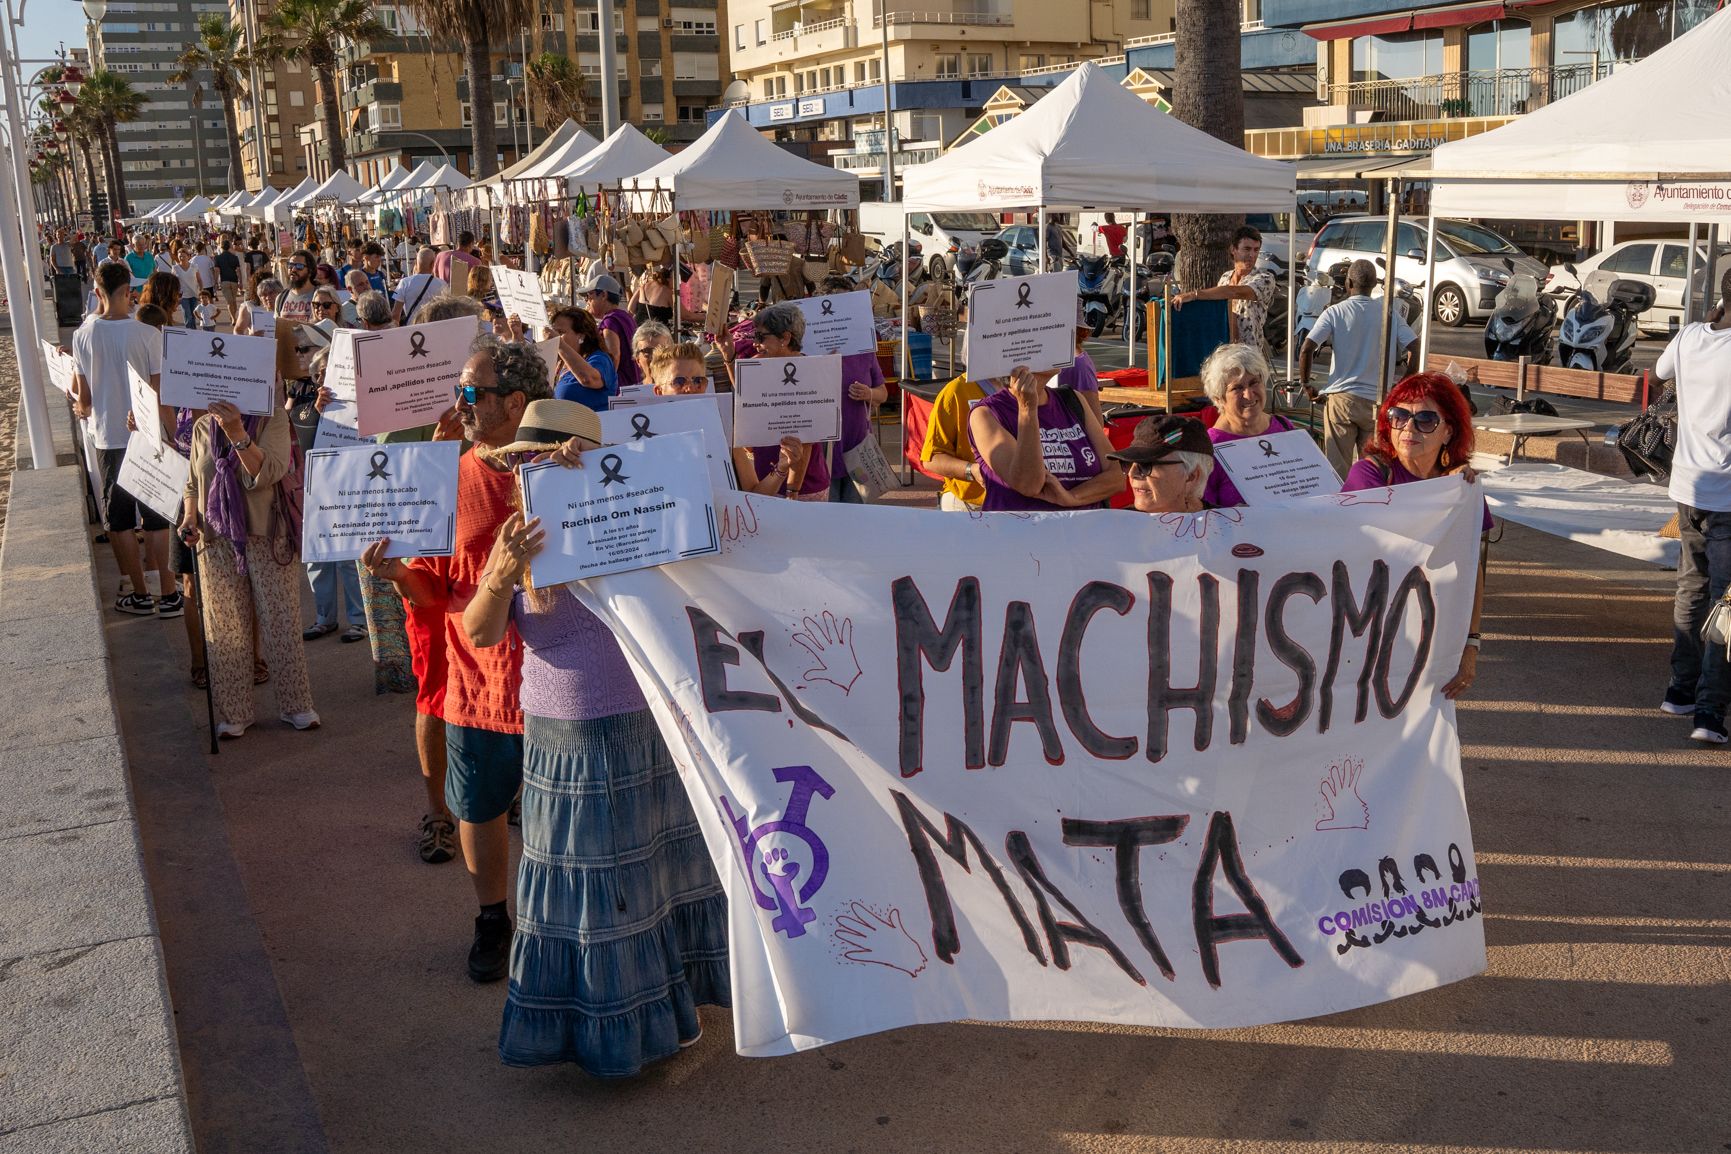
[(1208, 93), (118, 205), (236, 177), (483, 133), (335, 145)]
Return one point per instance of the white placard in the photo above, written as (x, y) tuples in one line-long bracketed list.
[(263, 323), (841, 323), (693, 414), (1278, 467), (358, 494), (630, 506), (404, 377), (92, 464), (155, 474), (776, 397), (146, 407), (337, 426), (200, 367), (520, 295), (59, 367), (1024, 320), (549, 350)]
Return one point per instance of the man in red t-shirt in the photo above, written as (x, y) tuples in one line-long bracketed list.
[(1114, 234), (483, 722)]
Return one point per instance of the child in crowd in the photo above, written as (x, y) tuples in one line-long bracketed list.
[(208, 310)]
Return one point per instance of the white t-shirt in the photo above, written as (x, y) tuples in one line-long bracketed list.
[(188, 275), (1698, 359), (204, 269), (1354, 327), (101, 351), (415, 290)]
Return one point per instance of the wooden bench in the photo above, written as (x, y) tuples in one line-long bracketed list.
[(1618, 388)]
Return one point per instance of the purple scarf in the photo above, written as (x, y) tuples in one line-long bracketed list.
[(225, 507)]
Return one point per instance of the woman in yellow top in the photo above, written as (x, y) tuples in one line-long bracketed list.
[(948, 452)]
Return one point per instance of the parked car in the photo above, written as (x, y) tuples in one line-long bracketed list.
[(1659, 263), (941, 234), (1470, 260), (1024, 244)]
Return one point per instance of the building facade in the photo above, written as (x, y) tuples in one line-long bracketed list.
[(178, 146), (279, 101)]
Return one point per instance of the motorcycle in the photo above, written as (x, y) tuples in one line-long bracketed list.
[(1152, 277), (1520, 323), (1313, 298), (989, 262), (1601, 336), (1091, 273)]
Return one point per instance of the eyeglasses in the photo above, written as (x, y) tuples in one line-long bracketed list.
[(680, 382), (1425, 422), (1141, 469), (468, 393), (299, 266)]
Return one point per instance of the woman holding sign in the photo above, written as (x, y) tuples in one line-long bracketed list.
[(1235, 377), (1041, 449), (622, 923), (589, 376), (792, 468)]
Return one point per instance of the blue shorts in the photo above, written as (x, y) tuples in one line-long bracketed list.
[(483, 771)]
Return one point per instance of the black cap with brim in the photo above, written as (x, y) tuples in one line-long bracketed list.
[(1159, 437)]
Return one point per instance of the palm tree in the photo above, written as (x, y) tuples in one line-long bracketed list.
[(110, 100), (560, 87), (314, 31), (1208, 94), (475, 24), (218, 49)]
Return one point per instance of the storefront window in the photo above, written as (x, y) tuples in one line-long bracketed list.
[(1399, 56), (1500, 44), (1625, 31)]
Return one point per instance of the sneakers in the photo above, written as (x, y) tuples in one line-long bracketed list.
[(137, 604), (174, 605), (227, 730), (303, 720), (1678, 703), (353, 634), (316, 631), (490, 955), (1709, 728), (438, 840)]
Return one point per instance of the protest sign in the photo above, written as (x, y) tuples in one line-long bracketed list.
[(200, 367), (1024, 320), (721, 280), (337, 422), (520, 296), (776, 397), (841, 324), (695, 414), (156, 474), (59, 367), (662, 510), (406, 377), (146, 407), (1277, 467), (360, 493), (92, 465), (263, 323), (549, 350), (1181, 770)]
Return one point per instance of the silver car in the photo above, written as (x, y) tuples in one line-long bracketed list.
[(1472, 262)]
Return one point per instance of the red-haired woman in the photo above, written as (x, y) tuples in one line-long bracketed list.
[(1424, 430)]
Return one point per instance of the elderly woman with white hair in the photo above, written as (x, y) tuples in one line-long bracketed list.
[(1170, 460), (650, 335), (1235, 377)]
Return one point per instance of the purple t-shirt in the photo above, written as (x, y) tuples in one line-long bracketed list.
[(1081, 376), (856, 421), (816, 473), (1220, 492), (572, 668), (625, 325), (1367, 473), (1064, 443)]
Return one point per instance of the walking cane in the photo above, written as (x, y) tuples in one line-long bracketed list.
[(204, 645)]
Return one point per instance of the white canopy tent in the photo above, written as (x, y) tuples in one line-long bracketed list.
[(162, 210), (734, 167), (620, 157), (341, 188), (190, 212), (392, 179), (421, 173), (443, 177), (260, 199), (562, 136)]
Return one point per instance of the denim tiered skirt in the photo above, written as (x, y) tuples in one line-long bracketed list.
[(621, 920)]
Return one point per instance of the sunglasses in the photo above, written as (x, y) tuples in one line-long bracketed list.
[(468, 393), (300, 267), (1141, 469), (329, 305), (1425, 422), (681, 382)]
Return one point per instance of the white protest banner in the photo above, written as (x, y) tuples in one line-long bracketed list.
[(776, 397), (549, 350), (357, 494), (520, 296), (696, 414), (1182, 770), (662, 511), (1024, 320), (200, 367), (337, 426), (155, 474), (1277, 467), (406, 377), (841, 324), (146, 408), (263, 323)]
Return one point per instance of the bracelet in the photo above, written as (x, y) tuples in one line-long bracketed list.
[(488, 586), (243, 444), (1472, 640)]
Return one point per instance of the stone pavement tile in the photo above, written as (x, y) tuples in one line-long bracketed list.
[(85, 886), (57, 703), (86, 1030), (31, 642), (57, 787), (156, 1127), (62, 586)]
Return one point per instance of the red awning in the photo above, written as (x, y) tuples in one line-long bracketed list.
[(1347, 29), (1459, 15)]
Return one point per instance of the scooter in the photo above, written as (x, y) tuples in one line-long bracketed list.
[(1520, 323), (1091, 290), (1406, 301), (989, 262), (1151, 281), (1313, 298), (1601, 336)]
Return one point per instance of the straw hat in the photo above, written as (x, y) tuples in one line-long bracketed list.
[(547, 424)]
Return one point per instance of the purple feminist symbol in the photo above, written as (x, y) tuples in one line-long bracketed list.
[(776, 868)]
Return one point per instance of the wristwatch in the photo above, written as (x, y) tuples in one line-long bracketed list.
[(243, 444)]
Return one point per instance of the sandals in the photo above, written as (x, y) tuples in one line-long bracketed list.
[(200, 677), (260, 672)]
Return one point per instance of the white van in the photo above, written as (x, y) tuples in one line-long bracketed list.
[(939, 234)]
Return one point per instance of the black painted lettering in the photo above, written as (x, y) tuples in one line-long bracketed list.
[(1282, 720), (752, 641), (1163, 697), (1363, 619), (1059, 934), (1243, 658), (1415, 582), (919, 639), (1019, 662), (955, 840), (1220, 852), (713, 658), (1126, 839), (1094, 596)]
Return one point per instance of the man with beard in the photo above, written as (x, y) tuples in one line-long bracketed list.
[(296, 302), (483, 721)]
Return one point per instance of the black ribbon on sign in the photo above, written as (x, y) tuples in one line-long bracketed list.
[(610, 466), (380, 459), (828, 308), (789, 374), (1267, 449), (640, 426), (1023, 292), (418, 344), (216, 349)]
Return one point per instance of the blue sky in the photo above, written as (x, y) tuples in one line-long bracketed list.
[(46, 24)]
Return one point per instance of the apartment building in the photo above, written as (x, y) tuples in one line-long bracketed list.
[(178, 147), (280, 101)]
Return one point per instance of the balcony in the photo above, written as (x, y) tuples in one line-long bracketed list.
[(968, 19), (823, 36), (1503, 92)]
